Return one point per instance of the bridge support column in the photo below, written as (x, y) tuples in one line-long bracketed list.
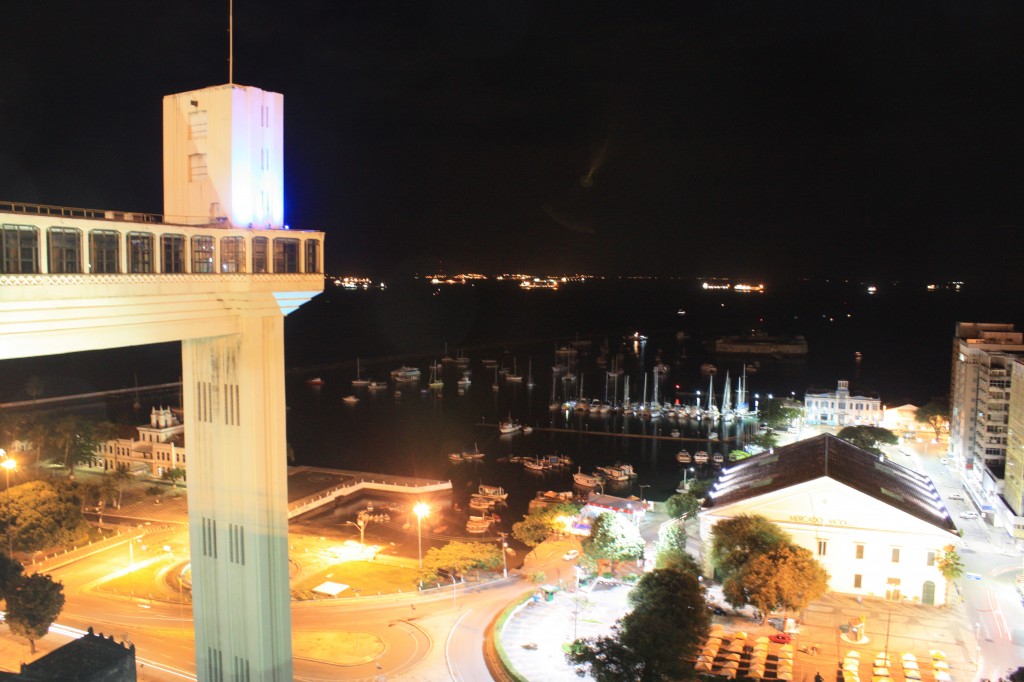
[(234, 399)]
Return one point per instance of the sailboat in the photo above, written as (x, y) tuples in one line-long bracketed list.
[(529, 375), (515, 375), (435, 383), (555, 405), (726, 412), (711, 412), (627, 407), (359, 380)]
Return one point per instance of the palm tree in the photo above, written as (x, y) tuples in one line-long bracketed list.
[(950, 566)]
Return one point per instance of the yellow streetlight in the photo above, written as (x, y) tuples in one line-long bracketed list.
[(420, 510), (8, 464)]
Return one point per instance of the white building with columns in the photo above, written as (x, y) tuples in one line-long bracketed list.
[(877, 527)]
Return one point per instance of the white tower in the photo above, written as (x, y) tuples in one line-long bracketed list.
[(224, 157)]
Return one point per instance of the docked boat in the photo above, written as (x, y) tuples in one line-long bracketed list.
[(350, 400), (514, 376), (472, 454), (700, 457), (377, 385), (534, 464), (717, 458), (481, 503), (405, 374), (708, 369), (613, 474), (527, 429), (549, 499), (509, 426), (587, 480), (683, 457), (478, 524), (493, 491), (314, 381), (455, 457)]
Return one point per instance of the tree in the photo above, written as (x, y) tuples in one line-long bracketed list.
[(174, 475), (38, 429), (738, 540), (1017, 675), (786, 577), (699, 487), (612, 538), (74, 436), (33, 605), (43, 514), (34, 387), (868, 437), (539, 525), (458, 557), (951, 567), (738, 455), (671, 551), (682, 506), (779, 414), (11, 571), (121, 477), (934, 413), (765, 441), (668, 621)]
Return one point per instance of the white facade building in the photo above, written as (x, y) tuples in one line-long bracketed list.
[(839, 408), (878, 528), (153, 449)]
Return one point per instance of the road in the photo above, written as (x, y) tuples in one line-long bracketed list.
[(162, 632), (991, 565)]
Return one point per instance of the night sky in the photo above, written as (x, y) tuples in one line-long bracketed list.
[(751, 139)]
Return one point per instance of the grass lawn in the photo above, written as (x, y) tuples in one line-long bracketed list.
[(364, 578)]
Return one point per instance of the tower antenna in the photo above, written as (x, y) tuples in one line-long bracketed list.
[(231, 42)]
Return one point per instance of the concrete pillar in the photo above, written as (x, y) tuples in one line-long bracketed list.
[(237, 484)]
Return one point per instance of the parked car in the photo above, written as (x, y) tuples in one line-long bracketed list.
[(955, 495), (571, 554), (716, 609), (968, 515), (780, 638)]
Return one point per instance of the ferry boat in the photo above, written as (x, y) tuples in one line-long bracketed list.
[(404, 373), (759, 343), (613, 474), (587, 480)]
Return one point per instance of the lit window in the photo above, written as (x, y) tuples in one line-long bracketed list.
[(232, 254), (202, 254), (860, 551), (140, 251)]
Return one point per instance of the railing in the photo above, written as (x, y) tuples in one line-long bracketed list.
[(102, 214)]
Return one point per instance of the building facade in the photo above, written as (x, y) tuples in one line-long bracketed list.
[(152, 449), (877, 527), (840, 408)]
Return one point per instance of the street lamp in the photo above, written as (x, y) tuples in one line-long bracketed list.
[(642, 486), (504, 551), (685, 474), (421, 510), (8, 463)]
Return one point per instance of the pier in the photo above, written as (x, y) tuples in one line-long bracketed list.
[(310, 488), (676, 439)]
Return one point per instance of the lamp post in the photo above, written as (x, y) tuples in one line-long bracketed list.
[(504, 551), (642, 486), (686, 473), (8, 463), (421, 510)]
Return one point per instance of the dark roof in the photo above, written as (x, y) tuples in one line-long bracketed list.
[(90, 657), (828, 456)]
